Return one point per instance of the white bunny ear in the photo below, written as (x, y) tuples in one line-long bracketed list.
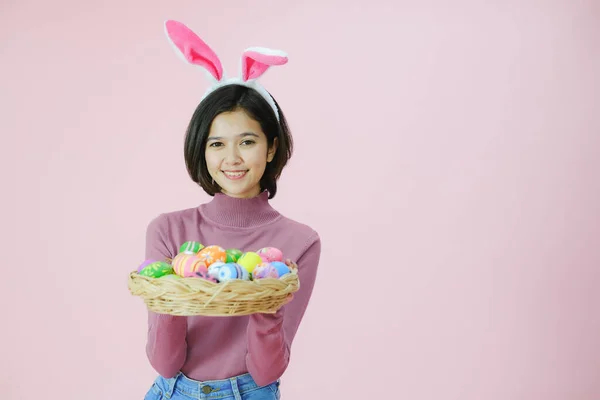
[(256, 61), (193, 49)]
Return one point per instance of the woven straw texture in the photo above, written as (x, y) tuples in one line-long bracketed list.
[(196, 296)]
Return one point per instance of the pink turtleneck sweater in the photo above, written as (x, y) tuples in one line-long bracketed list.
[(210, 348)]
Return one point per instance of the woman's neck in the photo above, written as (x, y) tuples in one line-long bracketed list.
[(240, 212)]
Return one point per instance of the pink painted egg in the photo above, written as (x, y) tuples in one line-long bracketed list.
[(270, 254), (185, 264)]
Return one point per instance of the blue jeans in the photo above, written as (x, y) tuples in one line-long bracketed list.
[(240, 387)]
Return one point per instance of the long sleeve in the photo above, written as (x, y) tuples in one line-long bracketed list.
[(166, 347), (270, 336)]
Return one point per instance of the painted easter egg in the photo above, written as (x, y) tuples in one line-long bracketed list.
[(191, 247), (144, 265), (281, 267), (270, 254), (186, 264), (211, 254), (157, 269), (231, 271), (203, 274), (249, 261), (213, 269), (265, 270), (233, 255)]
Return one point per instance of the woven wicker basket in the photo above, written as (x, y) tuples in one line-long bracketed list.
[(196, 296)]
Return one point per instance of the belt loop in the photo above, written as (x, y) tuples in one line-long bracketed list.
[(235, 389), (171, 385)]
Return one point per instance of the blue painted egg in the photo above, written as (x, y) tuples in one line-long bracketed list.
[(281, 268), (213, 270), (231, 271)]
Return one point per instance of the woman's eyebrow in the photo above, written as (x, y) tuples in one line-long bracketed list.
[(244, 134)]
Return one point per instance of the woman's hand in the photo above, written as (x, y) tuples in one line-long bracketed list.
[(291, 265)]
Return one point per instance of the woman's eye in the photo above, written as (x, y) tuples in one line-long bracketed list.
[(215, 144), (248, 142)]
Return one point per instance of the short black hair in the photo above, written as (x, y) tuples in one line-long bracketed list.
[(233, 98)]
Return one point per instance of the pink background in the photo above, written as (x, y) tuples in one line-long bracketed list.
[(447, 152)]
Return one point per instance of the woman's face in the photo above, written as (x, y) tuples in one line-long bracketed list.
[(237, 153)]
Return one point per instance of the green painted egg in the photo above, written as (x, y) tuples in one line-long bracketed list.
[(233, 255), (157, 269), (191, 247)]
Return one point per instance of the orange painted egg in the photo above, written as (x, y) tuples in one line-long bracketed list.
[(211, 254)]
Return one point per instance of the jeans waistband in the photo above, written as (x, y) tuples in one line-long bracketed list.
[(211, 389)]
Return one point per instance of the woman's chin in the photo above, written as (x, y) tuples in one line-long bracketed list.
[(239, 191)]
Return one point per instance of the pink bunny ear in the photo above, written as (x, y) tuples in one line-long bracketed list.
[(193, 49), (256, 61)]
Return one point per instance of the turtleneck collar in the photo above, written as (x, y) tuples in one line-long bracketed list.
[(239, 212)]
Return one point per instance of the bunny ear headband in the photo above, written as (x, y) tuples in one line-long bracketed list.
[(254, 63)]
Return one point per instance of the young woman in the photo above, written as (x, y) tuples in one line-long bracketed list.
[(236, 146)]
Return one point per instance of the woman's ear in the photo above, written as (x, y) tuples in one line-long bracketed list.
[(272, 150)]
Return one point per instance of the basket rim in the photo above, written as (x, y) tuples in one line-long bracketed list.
[(293, 271), (197, 296)]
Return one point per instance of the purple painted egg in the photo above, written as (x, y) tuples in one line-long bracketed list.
[(265, 270)]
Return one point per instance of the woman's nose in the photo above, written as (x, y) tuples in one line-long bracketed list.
[(232, 155)]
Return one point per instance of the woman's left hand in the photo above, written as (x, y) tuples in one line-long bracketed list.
[(291, 264)]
